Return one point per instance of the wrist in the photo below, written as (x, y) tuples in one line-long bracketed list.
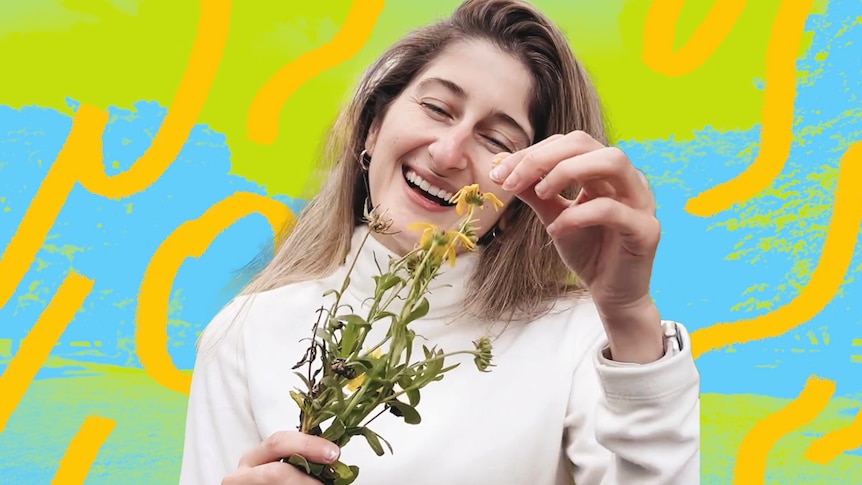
[(635, 334)]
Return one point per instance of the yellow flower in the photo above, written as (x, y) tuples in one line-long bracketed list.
[(465, 241), (440, 244), (470, 195), (353, 384), (431, 234), (464, 197), (495, 202), (448, 253)]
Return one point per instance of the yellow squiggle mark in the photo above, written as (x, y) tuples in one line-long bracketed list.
[(835, 258), (750, 465), (262, 121), (47, 203), (189, 99), (830, 445), (776, 115), (82, 451), (81, 155), (660, 27), (39, 341), (192, 238)]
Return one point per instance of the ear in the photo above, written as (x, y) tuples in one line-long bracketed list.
[(371, 139)]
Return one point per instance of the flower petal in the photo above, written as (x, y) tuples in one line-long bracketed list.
[(495, 202)]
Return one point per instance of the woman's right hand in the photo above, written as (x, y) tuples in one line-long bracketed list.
[(260, 465)]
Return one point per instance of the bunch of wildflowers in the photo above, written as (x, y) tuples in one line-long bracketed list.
[(348, 383)]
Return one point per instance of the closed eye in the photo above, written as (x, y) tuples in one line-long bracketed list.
[(497, 143), (435, 109)]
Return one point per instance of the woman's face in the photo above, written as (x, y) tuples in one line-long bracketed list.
[(442, 133)]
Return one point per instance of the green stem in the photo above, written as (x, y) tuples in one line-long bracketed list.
[(364, 332), (309, 417)]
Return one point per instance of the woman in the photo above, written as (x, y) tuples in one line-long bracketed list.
[(587, 385)]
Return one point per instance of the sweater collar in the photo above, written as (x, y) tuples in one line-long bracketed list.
[(446, 293)]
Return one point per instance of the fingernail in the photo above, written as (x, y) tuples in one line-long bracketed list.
[(540, 189), (496, 173), (510, 182), (332, 453)]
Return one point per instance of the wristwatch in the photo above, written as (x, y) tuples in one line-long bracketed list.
[(672, 336)]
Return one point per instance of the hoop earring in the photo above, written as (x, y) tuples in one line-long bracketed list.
[(364, 160)]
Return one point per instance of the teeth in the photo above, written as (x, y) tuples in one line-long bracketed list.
[(427, 186)]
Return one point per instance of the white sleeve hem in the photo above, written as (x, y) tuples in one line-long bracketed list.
[(672, 373)]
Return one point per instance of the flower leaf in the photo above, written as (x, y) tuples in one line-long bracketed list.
[(300, 462), (350, 333), (382, 315), (361, 365), (418, 312), (299, 398), (335, 430), (406, 411), (413, 397), (354, 470), (373, 440), (343, 472), (434, 366), (386, 282), (303, 379), (405, 381), (386, 443)]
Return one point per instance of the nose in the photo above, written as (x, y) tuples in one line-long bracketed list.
[(449, 149)]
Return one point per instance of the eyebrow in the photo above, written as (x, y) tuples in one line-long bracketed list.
[(461, 93)]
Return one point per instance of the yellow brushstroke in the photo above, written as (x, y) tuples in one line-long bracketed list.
[(660, 28), (81, 155), (262, 122), (84, 138), (82, 451), (192, 92), (776, 115), (830, 445), (750, 465), (36, 346), (190, 239), (825, 280)]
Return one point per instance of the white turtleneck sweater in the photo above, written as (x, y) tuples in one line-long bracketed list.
[(553, 409)]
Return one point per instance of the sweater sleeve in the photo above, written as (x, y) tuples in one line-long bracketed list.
[(629, 423), (220, 426)]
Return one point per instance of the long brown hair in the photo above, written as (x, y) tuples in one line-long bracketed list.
[(506, 282)]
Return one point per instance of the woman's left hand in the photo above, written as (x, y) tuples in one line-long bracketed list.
[(607, 235)]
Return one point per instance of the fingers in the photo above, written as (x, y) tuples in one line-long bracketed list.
[(260, 466), (606, 172), (274, 473), (508, 161), (526, 167), (287, 443), (560, 161), (640, 232)]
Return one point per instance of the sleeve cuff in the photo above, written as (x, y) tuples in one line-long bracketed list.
[(667, 375)]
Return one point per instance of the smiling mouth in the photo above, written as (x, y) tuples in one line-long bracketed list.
[(426, 189)]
